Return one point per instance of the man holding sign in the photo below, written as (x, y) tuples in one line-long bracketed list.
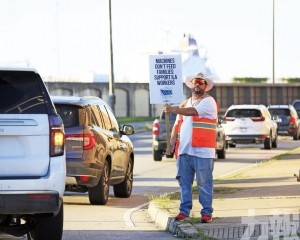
[(166, 85), (196, 150)]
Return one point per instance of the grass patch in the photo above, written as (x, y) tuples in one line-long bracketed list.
[(165, 201), (202, 236), (225, 190), (123, 120), (219, 190)]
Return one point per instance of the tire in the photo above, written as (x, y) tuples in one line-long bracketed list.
[(170, 156), (268, 143), (232, 145), (275, 141), (222, 153), (98, 195), (157, 155), (47, 228), (124, 189), (296, 136)]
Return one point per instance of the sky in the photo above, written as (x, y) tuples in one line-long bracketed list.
[(68, 38)]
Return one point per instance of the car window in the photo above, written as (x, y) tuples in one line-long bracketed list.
[(105, 117), (96, 118), (279, 112), (242, 113), (69, 114), (296, 105), (21, 93), (113, 120)]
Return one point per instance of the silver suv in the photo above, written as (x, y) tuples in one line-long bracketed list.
[(250, 123), (32, 158)]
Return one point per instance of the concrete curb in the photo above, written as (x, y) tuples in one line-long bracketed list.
[(164, 220)]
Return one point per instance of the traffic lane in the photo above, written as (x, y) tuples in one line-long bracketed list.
[(80, 214), (120, 219), (151, 177), (84, 221)]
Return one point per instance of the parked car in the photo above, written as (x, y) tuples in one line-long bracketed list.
[(32, 157), (288, 121), (159, 138), (250, 123), (98, 152), (296, 105)]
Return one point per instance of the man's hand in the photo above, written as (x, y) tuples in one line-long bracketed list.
[(168, 108)]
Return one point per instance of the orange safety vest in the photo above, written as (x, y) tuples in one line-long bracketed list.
[(204, 132)]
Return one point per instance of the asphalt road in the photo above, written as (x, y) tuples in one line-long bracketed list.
[(124, 219)]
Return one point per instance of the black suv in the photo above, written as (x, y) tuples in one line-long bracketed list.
[(32, 157), (287, 120), (98, 152)]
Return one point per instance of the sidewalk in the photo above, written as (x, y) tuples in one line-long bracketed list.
[(260, 203)]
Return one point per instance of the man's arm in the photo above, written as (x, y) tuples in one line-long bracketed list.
[(190, 111)]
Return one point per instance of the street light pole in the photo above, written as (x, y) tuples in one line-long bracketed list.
[(273, 50), (111, 90)]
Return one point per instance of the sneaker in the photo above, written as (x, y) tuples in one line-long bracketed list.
[(206, 218), (181, 217)]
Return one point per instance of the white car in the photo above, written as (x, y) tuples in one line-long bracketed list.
[(249, 123), (32, 158)]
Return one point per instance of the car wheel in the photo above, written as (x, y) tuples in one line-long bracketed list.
[(47, 228), (157, 155), (268, 142), (222, 153), (124, 189), (170, 156), (275, 141), (98, 195), (296, 136), (232, 145)]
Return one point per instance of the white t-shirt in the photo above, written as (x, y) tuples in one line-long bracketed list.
[(206, 108)]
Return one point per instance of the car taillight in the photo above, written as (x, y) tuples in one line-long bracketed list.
[(155, 127), (229, 119), (57, 136), (258, 119), (88, 140), (292, 120), (84, 178)]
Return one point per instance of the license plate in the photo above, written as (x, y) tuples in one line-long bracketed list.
[(243, 129)]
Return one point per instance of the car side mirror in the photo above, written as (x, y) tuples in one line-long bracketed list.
[(127, 129)]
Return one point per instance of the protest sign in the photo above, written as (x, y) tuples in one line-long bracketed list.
[(165, 79), (166, 85)]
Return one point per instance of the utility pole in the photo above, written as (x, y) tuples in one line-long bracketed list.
[(273, 50), (111, 90)]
